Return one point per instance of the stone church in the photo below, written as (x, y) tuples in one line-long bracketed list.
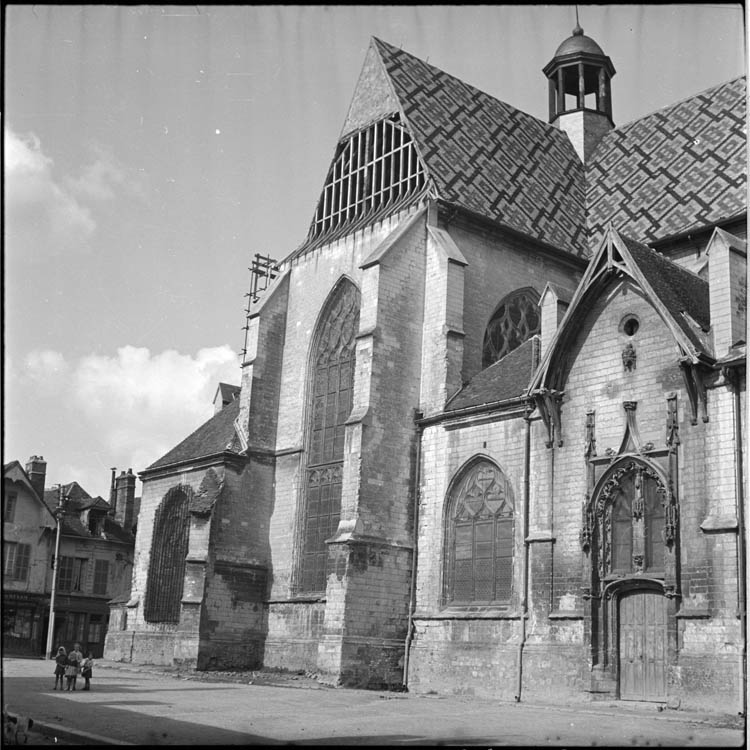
[(488, 438)]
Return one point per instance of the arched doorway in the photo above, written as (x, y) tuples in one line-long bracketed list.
[(629, 540)]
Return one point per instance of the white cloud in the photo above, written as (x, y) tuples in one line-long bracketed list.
[(41, 216), (50, 215), (125, 410), (47, 369), (104, 178)]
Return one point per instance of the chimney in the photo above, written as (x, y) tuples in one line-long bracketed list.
[(36, 468), (112, 493), (125, 498)]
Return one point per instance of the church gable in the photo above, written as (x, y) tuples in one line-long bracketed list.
[(373, 96), (679, 169)]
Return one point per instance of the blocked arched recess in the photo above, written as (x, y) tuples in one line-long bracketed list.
[(169, 546), (630, 546), (478, 536), (328, 403)]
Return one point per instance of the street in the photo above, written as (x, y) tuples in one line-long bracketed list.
[(148, 707)]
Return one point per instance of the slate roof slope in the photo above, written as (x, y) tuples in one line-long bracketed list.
[(214, 436), (489, 157), (672, 171), (681, 291), (506, 379)]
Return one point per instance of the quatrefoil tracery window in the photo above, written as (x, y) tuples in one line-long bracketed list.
[(515, 320), (479, 538), (332, 383)]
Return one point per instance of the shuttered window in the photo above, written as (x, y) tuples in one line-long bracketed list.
[(479, 537), (169, 548), (331, 387), (101, 577), (16, 564)]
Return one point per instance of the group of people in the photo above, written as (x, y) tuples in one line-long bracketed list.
[(70, 665)]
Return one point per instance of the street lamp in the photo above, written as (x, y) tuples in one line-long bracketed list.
[(58, 513)]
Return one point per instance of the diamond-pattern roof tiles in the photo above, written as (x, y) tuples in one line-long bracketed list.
[(693, 156), (489, 157)]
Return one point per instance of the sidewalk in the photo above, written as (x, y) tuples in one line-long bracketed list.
[(131, 704)]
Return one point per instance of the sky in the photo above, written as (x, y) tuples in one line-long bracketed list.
[(151, 151)]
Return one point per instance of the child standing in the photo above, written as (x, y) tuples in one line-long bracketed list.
[(88, 665), (75, 657), (60, 661)]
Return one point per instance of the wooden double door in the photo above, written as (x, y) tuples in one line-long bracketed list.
[(643, 646)]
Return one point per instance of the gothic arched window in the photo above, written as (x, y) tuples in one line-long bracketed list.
[(332, 380), (515, 320), (634, 511), (169, 547), (479, 537)]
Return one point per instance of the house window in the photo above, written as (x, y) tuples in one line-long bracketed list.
[(17, 622), (169, 548), (479, 537), (9, 506), (375, 170), (515, 320), (101, 577), (16, 563), (75, 627), (331, 387), (72, 576), (96, 629)]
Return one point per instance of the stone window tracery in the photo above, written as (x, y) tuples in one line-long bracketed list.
[(169, 547), (479, 538), (332, 384), (515, 320)]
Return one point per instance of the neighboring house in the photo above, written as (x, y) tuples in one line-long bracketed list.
[(488, 438), (28, 546), (94, 564)]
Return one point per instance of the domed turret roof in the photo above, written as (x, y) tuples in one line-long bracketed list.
[(579, 42)]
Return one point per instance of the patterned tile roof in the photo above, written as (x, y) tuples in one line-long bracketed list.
[(489, 157), (672, 171), (505, 379), (214, 436), (681, 291)]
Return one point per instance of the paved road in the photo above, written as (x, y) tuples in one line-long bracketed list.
[(129, 706)]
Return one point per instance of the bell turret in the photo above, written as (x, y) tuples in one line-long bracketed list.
[(580, 95)]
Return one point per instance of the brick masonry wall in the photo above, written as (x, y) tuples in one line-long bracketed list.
[(497, 266)]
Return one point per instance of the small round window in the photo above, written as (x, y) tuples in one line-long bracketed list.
[(630, 325)]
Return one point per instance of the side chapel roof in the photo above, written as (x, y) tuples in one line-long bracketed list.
[(214, 436), (503, 380)]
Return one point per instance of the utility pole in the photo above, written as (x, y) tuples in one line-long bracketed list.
[(58, 512)]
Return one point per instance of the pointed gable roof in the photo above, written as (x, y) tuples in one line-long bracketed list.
[(489, 157), (680, 296), (217, 435), (676, 170)]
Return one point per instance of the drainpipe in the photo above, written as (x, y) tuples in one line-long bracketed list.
[(525, 573), (413, 584), (734, 379)]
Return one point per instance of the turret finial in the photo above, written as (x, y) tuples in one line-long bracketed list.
[(577, 31)]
